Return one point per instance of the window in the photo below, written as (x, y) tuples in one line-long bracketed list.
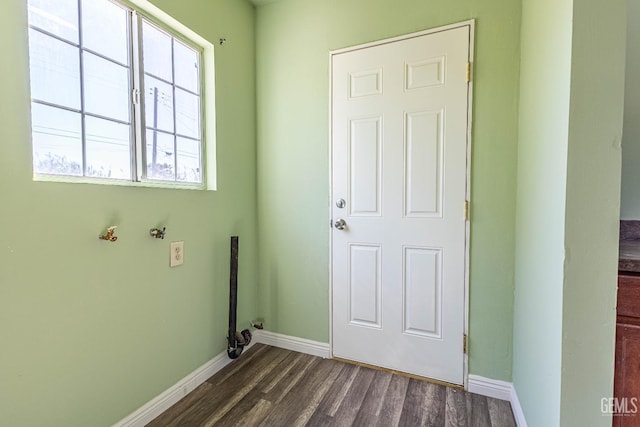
[(115, 96)]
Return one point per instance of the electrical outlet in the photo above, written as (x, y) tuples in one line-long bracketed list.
[(177, 254)]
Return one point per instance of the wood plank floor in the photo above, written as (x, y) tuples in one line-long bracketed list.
[(269, 386)]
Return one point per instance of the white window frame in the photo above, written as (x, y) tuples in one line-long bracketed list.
[(143, 10)]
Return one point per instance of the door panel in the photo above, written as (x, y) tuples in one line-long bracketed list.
[(422, 292), (423, 148), (365, 164), (399, 161), (365, 285)]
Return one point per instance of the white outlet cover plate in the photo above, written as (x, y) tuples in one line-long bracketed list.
[(177, 254)]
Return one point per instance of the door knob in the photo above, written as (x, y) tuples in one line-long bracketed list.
[(340, 224)]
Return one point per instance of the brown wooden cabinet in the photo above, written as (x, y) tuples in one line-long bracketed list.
[(627, 373)]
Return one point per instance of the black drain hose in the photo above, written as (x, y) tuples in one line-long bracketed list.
[(236, 340)]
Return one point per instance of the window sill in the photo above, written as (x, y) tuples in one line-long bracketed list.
[(119, 183)]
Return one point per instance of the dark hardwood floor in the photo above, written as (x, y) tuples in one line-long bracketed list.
[(269, 386)]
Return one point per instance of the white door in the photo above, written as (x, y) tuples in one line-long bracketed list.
[(399, 174)]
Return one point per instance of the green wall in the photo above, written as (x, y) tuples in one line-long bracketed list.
[(592, 210), (540, 225), (294, 38), (91, 330), (568, 208), (630, 199)]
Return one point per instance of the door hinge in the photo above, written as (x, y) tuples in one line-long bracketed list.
[(466, 210), (468, 72), (464, 343)]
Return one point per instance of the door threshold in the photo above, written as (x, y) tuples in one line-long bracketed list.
[(403, 374)]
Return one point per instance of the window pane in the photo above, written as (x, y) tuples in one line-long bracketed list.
[(188, 160), (186, 67), (187, 114), (106, 88), (158, 98), (156, 52), (59, 17), (55, 70), (57, 142), (108, 152), (160, 156), (104, 29)]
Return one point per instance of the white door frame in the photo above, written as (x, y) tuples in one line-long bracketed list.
[(471, 24)]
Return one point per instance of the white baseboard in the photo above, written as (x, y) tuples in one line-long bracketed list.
[(499, 390), (489, 387), (518, 414), (302, 345), (168, 398)]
